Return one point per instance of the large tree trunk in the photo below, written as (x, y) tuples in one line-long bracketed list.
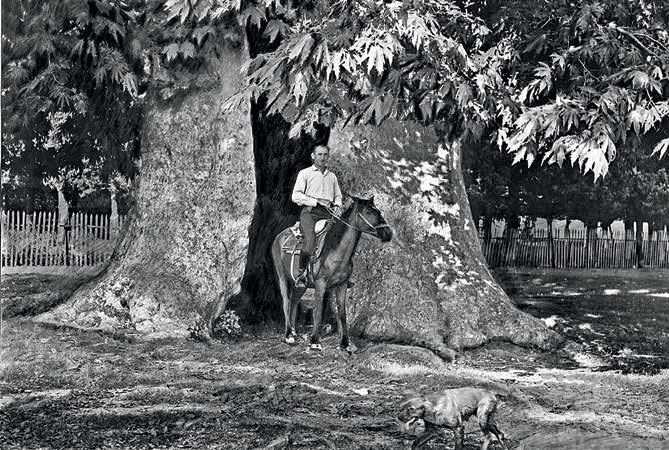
[(186, 246), (185, 249), (430, 286)]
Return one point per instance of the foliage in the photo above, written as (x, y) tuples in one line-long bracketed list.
[(70, 94), (600, 72), (559, 81), (228, 325), (636, 188)]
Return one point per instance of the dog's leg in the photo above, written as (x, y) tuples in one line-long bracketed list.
[(499, 435), (487, 438), (459, 433), (486, 420), (423, 438)]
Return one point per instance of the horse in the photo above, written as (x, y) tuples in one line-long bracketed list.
[(330, 271)]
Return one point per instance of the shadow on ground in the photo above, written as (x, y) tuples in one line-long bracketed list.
[(66, 388)]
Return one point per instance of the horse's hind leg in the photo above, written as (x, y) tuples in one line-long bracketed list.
[(293, 315), (287, 310)]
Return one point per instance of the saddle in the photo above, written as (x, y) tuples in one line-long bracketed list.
[(294, 241)]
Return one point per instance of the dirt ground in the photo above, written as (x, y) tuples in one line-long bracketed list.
[(66, 388)]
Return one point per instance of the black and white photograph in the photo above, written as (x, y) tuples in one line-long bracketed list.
[(334, 224)]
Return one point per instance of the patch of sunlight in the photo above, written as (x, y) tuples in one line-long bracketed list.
[(594, 417), (661, 295), (629, 353), (398, 143), (441, 230), (586, 360), (593, 316), (394, 184), (552, 321), (639, 291), (541, 376), (565, 293), (29, 397), (611, 291), (144, 410), (442, 151), (588, 327), (403, 370)]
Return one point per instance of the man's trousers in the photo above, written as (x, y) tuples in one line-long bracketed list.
[(308, 218)]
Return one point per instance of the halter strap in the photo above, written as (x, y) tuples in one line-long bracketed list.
[(374, 228)]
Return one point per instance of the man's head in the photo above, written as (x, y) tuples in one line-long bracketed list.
[(320, 156)]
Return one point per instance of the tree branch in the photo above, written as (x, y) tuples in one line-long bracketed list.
[(634, 39)]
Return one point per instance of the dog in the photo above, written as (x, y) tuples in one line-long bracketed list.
[(451, 408)]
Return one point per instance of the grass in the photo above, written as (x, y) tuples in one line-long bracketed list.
[(66, 388)]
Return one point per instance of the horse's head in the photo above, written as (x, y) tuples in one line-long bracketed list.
[(370, 219)]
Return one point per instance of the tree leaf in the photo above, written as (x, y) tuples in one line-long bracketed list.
[(276, 28), (301, 47), (78, 49), (171, 51), (253, 14), (661, 148), (639, 79), (200, 33), (187, 50)]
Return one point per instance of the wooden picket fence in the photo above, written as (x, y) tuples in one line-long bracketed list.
[(38, 240), (579, 250)]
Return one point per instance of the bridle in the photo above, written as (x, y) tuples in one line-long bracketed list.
[(373, 229)]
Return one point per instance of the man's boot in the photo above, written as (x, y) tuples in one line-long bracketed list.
[(301, 280)]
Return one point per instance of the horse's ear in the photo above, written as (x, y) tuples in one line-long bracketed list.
[(371, 199)]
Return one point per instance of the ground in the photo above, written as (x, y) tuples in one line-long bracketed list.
[(62, 387)]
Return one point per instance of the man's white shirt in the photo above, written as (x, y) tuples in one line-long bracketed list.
[(313, 185)]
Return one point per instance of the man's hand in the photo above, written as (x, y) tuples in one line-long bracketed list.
[(337, 211)]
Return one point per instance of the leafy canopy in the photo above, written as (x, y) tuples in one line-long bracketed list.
[(551, 80)]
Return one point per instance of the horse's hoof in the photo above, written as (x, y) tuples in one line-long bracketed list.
[(350, 349), (345, 352), (290, 340), (316, 347)]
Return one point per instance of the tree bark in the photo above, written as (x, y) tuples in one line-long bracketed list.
[(430, 286), (184, 249), (186, 244)]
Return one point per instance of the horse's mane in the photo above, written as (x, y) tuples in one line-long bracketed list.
[(336, 232)]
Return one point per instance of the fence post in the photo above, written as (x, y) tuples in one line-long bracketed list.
[(113, 219)]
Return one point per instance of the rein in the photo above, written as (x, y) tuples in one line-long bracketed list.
[(373, 228)]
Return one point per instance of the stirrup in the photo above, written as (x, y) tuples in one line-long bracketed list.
[(301, 280)]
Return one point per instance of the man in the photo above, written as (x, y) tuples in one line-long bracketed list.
[(316, 189)]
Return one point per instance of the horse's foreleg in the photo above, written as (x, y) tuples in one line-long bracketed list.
[(342, 327), (319, 294)]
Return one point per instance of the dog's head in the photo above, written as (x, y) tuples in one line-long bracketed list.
[(411, 416)]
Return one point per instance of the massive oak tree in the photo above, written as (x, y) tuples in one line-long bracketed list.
[(235, 94)]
